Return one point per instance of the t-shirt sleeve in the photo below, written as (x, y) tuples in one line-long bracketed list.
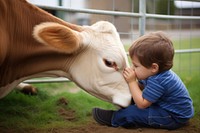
[(153, 91)]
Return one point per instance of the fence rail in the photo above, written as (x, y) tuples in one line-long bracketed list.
[(47, 80), (117, 13)]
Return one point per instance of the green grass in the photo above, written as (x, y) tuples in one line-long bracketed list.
[(41, 112), (187, 63), (19, 111), (193, 85)]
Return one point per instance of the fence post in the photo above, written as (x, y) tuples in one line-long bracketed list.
[(60, 14), (142, 19)]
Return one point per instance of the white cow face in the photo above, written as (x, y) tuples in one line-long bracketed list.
[(99, 60)]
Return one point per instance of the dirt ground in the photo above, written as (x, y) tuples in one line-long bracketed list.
[(93, 127), (96, 128)]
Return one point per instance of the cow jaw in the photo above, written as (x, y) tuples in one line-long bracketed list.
[(115, 88), (105, 88)]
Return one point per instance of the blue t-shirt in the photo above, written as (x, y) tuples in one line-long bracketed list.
[(168, 91)]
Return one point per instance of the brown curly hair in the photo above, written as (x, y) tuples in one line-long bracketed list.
[(155, 47)]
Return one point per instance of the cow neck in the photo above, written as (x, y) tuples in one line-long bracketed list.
[(24, 56), (32, 62)]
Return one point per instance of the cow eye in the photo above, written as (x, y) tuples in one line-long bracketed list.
[(109, 63)]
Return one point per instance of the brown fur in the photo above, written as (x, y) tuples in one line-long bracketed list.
[(20, 54)]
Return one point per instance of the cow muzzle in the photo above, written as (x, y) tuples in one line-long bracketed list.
[(122, 101)]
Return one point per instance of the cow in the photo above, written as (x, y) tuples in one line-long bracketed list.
[(34, 43)]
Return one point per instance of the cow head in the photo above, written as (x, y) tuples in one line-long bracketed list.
[(98, 58)]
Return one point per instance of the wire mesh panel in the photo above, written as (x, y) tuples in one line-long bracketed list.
[(180, 20)]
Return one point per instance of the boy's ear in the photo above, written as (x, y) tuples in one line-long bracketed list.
[(154, 67)]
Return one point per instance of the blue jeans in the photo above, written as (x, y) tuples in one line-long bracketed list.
[(152, 116)]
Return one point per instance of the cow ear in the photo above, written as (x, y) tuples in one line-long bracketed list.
[(58, 36)]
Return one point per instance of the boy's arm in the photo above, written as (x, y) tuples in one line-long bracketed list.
[(135, 89), (137, 95)]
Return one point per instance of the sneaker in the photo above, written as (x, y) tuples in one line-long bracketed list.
[(102, 116)]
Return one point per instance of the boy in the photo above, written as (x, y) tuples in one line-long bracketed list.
[(161, 100)]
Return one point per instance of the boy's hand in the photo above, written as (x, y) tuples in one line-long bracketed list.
[(129, 75)]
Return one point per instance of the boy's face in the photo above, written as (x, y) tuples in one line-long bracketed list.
[(141, 71)]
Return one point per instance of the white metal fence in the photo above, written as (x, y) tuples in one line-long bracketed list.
[(182, 28)]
